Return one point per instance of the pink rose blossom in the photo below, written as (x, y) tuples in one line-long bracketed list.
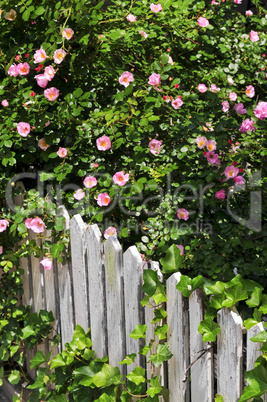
[(23, 68), (41, 80), (79, 194), (68, 33), (17, 57), (154, 79), (120, 178), (39, 56), (176, 103), (13, 70), (37, 225), (89, 182), (181, 248), (202, 88), (261, 110), (182, 214), (156, 8), (103, 143), (220, 195), (201, 142), (209, 126), (170, 60), (126, 78), (59, 55), (250, 91), (214, 88), (1, 249), (231, 172), (62, 152), (28, 223), (247, 125), (51, 93), (213, 158), (203, 22), (230, 80), (131, 18), (42, 144), (232, 96), (47, 264), (238, 1), (110, 231), (239, 180), (254, 37), (144, 34), (4, 103), (155, 146), (239, 108), (249, 13), (49, 73), (23, 129), (3, 224), (103, 199), (225, 106), (211, 145)]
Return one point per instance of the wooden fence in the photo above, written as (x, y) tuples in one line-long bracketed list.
[(101, 288)]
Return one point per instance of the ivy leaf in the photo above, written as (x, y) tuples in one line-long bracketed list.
[(162, 353), (218, 398), (217, 288), (160, 314), (107, 376), (155, 387), (38, 359), (151, 282), (250, 322), (172, 260), (14, 377), (185, 285), (209, 329), (260, 337), (161, 331), (255, 298), (139, 332), (129, 359), (137, 375), (257, 383), (263, 307), (236, 293), (57, 361)]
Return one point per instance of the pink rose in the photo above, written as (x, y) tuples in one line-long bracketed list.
[(239, 180), (4, 103), (250, 91), (28, 223), (203, 22), (156, 8), (41, 80), (202, 88), (239, 108), (131, 18), (220, 195), (249, 13), (120, 178), (214, 88), (110, 231), (230, 80), (261, 110), (232, 96), (89, 182), (62, 152), (79, 194), (201, 142), (254, 37), (231, 172), (51, 93), (59, 55), (3, 224), (182, 214), (103, 199), (181, 248), (225, 106), (42, 144), (39, 56), (23, 129), (47, 264), (126, 78), (49, 73), (247, 125), (213, 158), (23, 68), (143, 33), (37, 225), (13, 70), (155, 146), (154, 79), (103, 143), (68, 33), (211, 145), (176, 103)]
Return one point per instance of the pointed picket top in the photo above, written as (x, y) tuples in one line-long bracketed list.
[(230, 355), (114, 300), (96, 289), (79, 273)]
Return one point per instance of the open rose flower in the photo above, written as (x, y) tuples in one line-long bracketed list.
[(261, 110), (214, 88), (110, 231), (176, 103), (103, 199), (220, 195), (126, 78), (4, 103), (211, 145), (131, 18), (13, 70), (3, 224), (203, 22), (202, 88), (254, 37), (62, 152), (155, 146), (120, 178), (225, 106), (239, 180), (79, 194), (23, 129), (182, 214), (41, 80), (144, 34), (59, 55), (47, 264), (37, 225), (250, 91), (23, 68), (51, 93), (247, 125), (156, 8), (213, 158), (28, 222), (42, 144), (181, 248), (239, 108), (231, 172), (39, 56), (103, 143), (67, 33), (49, 73), (249, 13), (154, 79), (201, 142), (90, 182), (232, 96)]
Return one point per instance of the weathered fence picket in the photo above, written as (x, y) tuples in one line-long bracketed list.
[(101, 288)]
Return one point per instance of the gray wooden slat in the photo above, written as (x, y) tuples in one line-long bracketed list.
[(202, 381), (134, 312), (96, 283), (77, 239), (230, 355), (178, 340), (114, 299), (27, 282)]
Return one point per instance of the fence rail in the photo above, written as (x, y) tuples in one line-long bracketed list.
[(101, 288)]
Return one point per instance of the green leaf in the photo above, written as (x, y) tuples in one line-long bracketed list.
[(78, 92), (162, 353), (257, 383), (172, 260), (80, 339), (185, 285), (14, 377), (160, 314), (40, 10), (209, 329), (250, 322), (255, 298), (161, 331), (137, 375), (129, 359), (263, 307), (217, 288), (57, 361), (139, 332), (218, 398), (38, 359), (260, 337), (151, 282), (155, 387), (236, 293), (107, 376), (27, 331)]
